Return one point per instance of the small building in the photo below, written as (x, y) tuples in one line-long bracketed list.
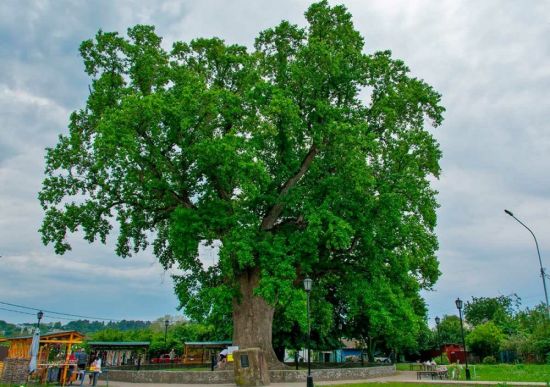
[(59, 343), (350, 351), (455, 352), (201, 352)]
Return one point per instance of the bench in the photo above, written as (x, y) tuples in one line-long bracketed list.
[(435, 374)]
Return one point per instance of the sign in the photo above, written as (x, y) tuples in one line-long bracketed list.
[(230, 350), (244, 361)]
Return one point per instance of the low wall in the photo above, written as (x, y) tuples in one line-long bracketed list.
[(289, 376), (15, 371), (218, 377), (183, 377)]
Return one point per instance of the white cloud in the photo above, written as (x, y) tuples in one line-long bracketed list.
[(488, 59)]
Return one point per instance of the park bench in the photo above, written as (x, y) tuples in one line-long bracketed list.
[(440, 373)]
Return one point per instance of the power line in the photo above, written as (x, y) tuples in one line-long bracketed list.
[(17, 311), (33, 314), (58, 313)]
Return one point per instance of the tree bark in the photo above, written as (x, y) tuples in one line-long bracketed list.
[(253, 318)]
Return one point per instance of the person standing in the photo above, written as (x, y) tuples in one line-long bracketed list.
[(222, 358), (95, 370)]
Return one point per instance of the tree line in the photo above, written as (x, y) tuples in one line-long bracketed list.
[(84, 326), (497, 329)]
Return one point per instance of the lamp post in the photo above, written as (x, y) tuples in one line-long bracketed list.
[(308, 282), (437, 321), (458, 303), (39, 315), (542, 273), (166, 323)]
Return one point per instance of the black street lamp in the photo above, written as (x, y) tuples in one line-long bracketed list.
[(308, 282), (437, 321), (542, 273), (166, 323), (458, 303), (39, 315)]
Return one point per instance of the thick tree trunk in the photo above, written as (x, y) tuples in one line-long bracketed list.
[(253, 318), (371, 348)]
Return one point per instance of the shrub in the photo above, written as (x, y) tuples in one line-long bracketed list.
[(489, 360), (485, 339), (443, 360)]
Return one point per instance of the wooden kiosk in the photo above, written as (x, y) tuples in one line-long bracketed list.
[(201, 352), (19, 348)]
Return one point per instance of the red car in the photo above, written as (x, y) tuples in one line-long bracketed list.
[(165, 359)]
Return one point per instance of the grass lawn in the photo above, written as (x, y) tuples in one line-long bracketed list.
[(511, 372), (502, 372), (385, 384)]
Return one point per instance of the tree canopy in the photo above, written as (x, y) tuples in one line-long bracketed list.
[(303, 156), (500, 310), (449, 330)]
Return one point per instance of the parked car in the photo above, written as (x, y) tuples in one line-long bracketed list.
[(165, 359), (382, 359)]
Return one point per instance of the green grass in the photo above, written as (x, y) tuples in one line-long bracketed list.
[(511, 372), (402, 366), (385, 384), (501, 372)]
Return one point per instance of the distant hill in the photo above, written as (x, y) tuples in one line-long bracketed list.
[(7, 329), (84, 326)]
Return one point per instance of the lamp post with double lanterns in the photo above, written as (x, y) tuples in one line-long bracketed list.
[(437, 321), (39, 316), (458, 304), (308, 282), (542, 272)]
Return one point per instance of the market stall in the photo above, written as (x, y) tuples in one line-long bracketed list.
[(201, 352), (54, 360), (117, 353)]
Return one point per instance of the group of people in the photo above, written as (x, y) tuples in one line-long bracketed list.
[(431, 363), (77, 370)]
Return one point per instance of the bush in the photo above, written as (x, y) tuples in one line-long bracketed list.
[(485, 339), (442, 360), (489, 360)]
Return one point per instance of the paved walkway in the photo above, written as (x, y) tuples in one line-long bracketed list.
[(400, 376)]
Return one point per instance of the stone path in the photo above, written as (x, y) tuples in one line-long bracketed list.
[(400, 376)]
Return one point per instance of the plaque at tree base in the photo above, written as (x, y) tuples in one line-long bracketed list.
[(251, 367)]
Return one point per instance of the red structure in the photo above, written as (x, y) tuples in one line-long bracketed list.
[(455, 352)]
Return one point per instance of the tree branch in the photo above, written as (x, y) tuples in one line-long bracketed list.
[(271, 217)]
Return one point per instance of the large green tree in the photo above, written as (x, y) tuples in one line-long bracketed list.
[(500, 310), (305, 156), (449, 330)]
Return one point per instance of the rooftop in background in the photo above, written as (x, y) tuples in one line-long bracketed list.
[(45, 336), (20, 346)]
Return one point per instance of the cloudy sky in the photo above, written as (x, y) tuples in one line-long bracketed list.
[(490, 60)]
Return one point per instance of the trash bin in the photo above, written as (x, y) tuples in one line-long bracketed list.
[(250, 367)]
